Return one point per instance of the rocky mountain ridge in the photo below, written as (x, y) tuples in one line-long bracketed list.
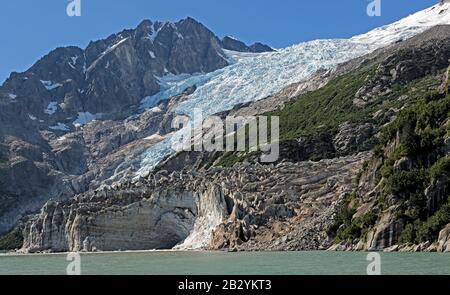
[(230, 43), (292, 205), (66, 117)]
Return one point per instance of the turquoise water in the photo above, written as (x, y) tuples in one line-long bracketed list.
[(222, 263)]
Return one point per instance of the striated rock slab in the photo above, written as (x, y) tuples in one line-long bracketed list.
[(131, 224)]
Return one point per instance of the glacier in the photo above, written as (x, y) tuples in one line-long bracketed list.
[(252, 77)]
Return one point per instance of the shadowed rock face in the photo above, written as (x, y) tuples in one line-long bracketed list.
[(116, 73)]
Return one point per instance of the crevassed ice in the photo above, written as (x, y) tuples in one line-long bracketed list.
[(154, 155), (250, 79), (172, 85), (211, 208), (254, 77)]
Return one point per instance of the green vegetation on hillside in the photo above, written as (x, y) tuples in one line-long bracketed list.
[(11, 241), (419, 231), (419, 136), (325, 109), (421, 131), (318, 114)]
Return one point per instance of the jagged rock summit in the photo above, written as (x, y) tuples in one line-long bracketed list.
[(231, 43)]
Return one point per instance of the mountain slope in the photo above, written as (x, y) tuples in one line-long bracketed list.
[(293, 205), (233, 44), (116, 73), (255, 77), (48, 151)]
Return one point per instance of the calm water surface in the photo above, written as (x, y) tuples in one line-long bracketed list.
[(221, 263)]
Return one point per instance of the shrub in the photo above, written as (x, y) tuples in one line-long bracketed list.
[(407, 182), (12, 240), (440, 168), (408, 235), (430, 229), (417, 231), (343, 217), (357, 228)]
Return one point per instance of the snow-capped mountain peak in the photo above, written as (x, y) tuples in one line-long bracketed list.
[(408, 27), (256, 76)]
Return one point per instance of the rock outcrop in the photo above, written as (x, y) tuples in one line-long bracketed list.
[(444, 240), (421, 56), (352, 137), (233, 44), (402, 200)]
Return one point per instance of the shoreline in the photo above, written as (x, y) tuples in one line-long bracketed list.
[(18, 254)]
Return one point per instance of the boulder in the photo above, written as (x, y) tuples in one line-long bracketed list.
[(444, 240)]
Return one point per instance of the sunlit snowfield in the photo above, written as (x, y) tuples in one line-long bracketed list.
[(223, 263)]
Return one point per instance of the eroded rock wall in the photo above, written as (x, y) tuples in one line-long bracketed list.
[(264, 206)]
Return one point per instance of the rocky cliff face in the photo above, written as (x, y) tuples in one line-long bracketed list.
[(245, 207), (130, 221)]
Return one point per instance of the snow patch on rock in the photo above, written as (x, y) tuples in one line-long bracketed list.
[(49, 85), (85, 118), (51, 108), (60, 127)]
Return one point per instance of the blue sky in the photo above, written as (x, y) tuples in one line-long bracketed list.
[(31, 28)]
